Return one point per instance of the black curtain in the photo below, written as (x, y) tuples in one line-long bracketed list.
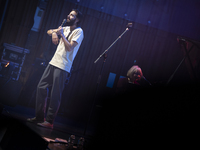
[(156, 51)]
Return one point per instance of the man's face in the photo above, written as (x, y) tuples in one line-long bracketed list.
[(71, 18)]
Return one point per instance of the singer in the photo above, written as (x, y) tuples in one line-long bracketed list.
[(58, 68)]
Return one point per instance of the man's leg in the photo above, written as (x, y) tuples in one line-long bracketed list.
[(45, 82), (59, 78)]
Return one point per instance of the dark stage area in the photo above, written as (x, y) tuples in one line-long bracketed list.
[(17, 115), (160, 116)]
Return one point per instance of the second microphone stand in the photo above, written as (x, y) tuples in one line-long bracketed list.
[(104, 55)]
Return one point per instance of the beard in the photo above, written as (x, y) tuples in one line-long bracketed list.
[(70, 22)]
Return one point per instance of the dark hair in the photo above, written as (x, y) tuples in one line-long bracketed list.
[(79, 16)]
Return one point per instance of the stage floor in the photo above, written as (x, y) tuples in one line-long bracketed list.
[(168, 116), (63, 127)]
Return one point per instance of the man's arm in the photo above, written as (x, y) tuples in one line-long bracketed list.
[(52, 32), (68, 45)]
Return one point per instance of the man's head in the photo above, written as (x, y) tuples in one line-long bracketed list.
[(134, 73), (74, 18)]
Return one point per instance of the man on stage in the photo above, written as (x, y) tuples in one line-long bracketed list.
[(58, 68)]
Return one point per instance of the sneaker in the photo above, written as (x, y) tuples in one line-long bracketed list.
[(45, 124), (35, 120)]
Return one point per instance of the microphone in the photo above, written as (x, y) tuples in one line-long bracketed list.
[(64, 21), (129, 25)]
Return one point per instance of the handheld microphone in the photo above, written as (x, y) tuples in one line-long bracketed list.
[(64, 21)]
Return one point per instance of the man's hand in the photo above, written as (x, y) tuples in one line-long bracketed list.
[(60, 31), (55, 38)]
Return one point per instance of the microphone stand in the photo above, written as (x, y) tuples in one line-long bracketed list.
[(111, 45), (104, 55), (182, 41)]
